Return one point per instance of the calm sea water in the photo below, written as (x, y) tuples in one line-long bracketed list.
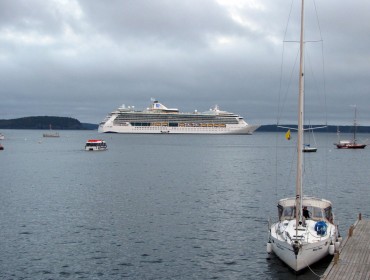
[(160, 206)]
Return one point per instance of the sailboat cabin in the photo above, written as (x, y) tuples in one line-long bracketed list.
[(313, 208)]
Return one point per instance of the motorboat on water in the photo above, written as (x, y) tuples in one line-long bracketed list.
[(96, 145)]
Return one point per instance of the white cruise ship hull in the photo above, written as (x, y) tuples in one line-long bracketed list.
[(158, 119), (239, 130)]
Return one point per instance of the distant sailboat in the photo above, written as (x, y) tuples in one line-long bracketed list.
[(307, 148), (51, 133), (2, 137), (350, 144)]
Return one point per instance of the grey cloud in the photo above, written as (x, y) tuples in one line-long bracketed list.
[(177, 23), (86, 57)]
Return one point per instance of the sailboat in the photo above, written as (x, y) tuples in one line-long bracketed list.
[(51, 133), (307, 148), (350, 144), (305, 231)]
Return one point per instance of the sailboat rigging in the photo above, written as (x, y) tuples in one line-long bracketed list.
[(305, 231)]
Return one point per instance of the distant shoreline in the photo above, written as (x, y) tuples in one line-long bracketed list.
[(66, 123), (329, 128), (46, 122)]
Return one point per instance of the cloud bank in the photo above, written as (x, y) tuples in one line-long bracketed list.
[(84, 58)]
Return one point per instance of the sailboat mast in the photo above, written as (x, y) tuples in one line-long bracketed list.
[(299, 179), (355, 126)]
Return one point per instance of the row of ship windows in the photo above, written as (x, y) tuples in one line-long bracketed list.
[(178, 124), (174, 116), (179, 120), (156, 128)]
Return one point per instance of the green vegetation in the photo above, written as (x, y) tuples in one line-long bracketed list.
[(45, 122)]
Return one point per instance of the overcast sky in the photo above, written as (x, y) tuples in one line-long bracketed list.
[(85, 58)]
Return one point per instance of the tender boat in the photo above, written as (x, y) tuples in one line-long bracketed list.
[(96, 145)]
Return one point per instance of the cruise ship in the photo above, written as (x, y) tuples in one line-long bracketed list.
[(160, 119)]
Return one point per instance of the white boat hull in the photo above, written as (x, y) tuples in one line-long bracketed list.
[(307, 255), (95, 149), (95, 145), (229, 129), (158, 119), (51, 135)]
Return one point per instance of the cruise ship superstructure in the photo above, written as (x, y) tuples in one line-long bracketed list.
[(160, 119)]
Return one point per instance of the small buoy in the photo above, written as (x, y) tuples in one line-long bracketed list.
[(331, 249), (336, 244), (269, 247)]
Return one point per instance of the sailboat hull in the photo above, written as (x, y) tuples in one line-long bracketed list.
[(351, 146), (307, 255), (301, 246), (309, 150)]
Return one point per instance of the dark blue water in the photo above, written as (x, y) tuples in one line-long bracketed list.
[(159, 206)]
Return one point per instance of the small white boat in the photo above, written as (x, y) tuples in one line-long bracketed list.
[(2, 137), (308, 149), (51, 133), (55, 134), (95, 145)]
